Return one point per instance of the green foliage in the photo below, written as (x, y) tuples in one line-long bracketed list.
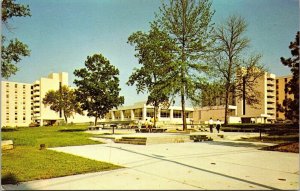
[(211, 94), (98, 86), (12, 53), (292, 105), (63, 100), (11, 9), (154, 51), (238, 72), (188, 24)]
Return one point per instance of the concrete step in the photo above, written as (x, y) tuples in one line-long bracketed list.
[(7, 145)]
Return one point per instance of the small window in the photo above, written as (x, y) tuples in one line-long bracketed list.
[(24, 86), (24, 108), (24, 118), (7, 96), (7, 84), (16, 91), (7, 107), (16, 85), (16, 118), (16, 107)]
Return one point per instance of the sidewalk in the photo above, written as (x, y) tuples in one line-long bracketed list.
[(207, 165)]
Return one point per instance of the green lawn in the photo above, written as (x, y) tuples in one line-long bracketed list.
[(27, 162)]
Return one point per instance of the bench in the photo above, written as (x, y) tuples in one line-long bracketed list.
[(146, 130), (93, 128), (199, 138)]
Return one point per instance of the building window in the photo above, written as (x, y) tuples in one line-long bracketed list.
[(23, 107), (285, 80), (7, 107), (24, 118), (16, 85), (7, 96), (176, 114), (16, 107), (164, 113), (7, 84), (24, 86), (16, 119)]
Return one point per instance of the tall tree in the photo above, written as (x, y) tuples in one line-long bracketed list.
[(188, 24), (209, 94), (292, 105), (154, 52), (98, 86), (63, 100), (12, 52), (231, 64)]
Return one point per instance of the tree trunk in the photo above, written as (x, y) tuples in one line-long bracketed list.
[(96, 118), (226, 104), (183, 109), (155, 114), (66, 119)]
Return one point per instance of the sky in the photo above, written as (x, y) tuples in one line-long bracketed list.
[(62, 33)]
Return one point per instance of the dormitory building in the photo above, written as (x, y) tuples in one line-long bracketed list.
[(22, 104)]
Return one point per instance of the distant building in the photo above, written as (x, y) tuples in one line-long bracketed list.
[(16, 104), (282, 94), (240, 112), (22, 103), (265, 110)]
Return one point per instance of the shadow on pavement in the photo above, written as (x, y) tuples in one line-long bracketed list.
[(197, 168), (237, 144)]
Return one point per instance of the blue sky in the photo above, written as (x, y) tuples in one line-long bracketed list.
[(62, 33)]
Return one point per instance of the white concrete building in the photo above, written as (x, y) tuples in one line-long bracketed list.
[(140, 110), (22, 103), (15, 104)]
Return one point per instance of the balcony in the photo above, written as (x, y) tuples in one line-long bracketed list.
[(270, 88)]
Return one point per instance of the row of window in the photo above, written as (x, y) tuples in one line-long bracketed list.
[(16, 85)]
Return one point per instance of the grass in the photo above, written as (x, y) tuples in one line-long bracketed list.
[(27, 162)]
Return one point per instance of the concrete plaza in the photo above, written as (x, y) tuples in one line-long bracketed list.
[(229, 165)]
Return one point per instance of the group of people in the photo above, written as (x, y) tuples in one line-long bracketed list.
[(147, 124), (211, 125)]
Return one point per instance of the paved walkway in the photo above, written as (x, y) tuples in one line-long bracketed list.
[(207, 165)]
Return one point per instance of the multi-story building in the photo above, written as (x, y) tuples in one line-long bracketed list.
[(41, 112), (242, 112), (282, 94), (16, 104), (23, 103), (265, 110)]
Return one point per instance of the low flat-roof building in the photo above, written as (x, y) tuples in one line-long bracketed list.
[(142, 111)]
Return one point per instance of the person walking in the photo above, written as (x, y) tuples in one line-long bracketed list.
[(218, 123), (211, 124)]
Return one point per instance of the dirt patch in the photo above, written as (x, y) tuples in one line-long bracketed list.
[(284, 147)]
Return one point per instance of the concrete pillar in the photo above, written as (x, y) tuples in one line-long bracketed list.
[(132, 114), (112, 115), (158, 114), (144, 113), (122, 115), (171, 114)]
